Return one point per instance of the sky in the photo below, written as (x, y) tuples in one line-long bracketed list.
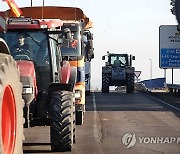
[(122, 26)]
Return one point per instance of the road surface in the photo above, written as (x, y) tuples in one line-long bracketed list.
[(118, 123)]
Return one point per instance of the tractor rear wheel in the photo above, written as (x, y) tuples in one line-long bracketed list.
[(62, 129), (130, 83), (11, 107), (105, 83)]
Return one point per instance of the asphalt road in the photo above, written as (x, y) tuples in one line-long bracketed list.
[(118, 123)]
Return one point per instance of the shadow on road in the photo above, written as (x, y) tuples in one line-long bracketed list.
[(38, 151), (35, 145)]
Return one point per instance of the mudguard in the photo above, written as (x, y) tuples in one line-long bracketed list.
[(73, 75), (28, 79), (4, 47), (60, 86), (65, 72)]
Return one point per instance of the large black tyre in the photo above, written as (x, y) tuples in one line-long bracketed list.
[(88, 93), (74, 123), (61, 129), (11, 107), (130, 83), (79, 117), (73, 76), (105, 83), (72, 81), (26, 116)]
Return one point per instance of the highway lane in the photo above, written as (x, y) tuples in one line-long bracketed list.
[(153, 127)]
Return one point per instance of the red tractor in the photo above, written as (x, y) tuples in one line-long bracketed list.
[(48, 86)]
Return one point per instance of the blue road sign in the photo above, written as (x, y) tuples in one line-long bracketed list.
[(170, 58), (169, 47)]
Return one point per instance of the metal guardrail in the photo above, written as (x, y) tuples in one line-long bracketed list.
[(172, 86), (141, 87)]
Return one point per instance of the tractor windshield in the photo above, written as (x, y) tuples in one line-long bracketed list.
[(71, 47), (28, 45), (119, 60)]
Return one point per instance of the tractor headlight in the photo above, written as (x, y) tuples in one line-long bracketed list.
[(44, 26), (78, 94), (27, 90)]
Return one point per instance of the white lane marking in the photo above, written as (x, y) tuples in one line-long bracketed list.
[(165, 103), (95, 131)]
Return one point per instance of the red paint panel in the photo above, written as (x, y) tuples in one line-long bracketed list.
[(65, 72), (27, 69), (23, 26)]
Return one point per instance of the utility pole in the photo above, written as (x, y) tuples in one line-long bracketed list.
[(165, 74), (150, 68)]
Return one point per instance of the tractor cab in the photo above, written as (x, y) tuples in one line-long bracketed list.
[(38, 57), (119, 60), (31, 40), (71, 39)]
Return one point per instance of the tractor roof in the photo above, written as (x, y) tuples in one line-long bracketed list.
[(54, 12), (28, 23), (116, 54)]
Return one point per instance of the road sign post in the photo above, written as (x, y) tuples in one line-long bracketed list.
[(137, 74)]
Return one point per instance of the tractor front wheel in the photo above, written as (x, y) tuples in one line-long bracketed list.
[(105, 83), (130, 83), (62, 127)]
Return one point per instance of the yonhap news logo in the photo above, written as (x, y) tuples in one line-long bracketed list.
[(130, 139)]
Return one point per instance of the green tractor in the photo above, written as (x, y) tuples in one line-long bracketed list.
[(118, 72)]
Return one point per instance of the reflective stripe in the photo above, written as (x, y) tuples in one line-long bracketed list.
[(78, 63)]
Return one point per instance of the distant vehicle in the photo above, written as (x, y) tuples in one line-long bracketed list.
[(118, 72)]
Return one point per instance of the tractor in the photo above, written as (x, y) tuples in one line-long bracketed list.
[(48, 86), (118, 72), (78, 53)]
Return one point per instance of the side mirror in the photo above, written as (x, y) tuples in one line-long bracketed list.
[(92, 56), (60, 41), (90, 36), (90, 49), (133, 57), (103, 57), (89, 45)]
